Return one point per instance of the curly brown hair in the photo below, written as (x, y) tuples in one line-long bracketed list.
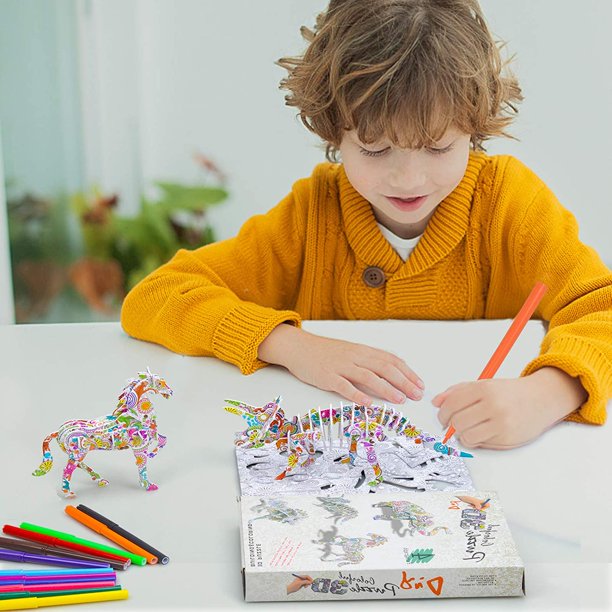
[(406, 70)]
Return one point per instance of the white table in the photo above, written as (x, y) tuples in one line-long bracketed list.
[(555, 492)]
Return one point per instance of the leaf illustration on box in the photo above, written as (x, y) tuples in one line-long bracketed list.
[(419, 555)]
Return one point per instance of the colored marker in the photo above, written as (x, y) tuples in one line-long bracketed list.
[(95, 571), (19, 556), (20, 594), (163, 559), (8, 581), (59, 551), (300, 577), (56, 578), (98, 527), (28, 603), (485, 502), (507, 342), (45, 539), (64, 586), (68, 538)]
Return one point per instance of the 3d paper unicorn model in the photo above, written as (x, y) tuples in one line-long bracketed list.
[(132, 425)]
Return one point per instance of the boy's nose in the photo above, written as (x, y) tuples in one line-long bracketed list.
[(408, 176)]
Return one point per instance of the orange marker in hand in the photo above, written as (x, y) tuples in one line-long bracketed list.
[(514, 331)]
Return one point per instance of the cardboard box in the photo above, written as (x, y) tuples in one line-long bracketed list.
[(383, 546)]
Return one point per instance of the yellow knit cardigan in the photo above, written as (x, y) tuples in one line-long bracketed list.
[(486, 245)]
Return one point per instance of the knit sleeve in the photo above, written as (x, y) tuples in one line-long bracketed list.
[(223, 299), (542, 244)]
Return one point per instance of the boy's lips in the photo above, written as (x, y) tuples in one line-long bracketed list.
[(407, 204)]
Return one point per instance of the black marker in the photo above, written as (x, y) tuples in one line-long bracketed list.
[(163, 559)]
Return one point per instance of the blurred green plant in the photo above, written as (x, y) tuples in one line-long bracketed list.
[(40, 248), (140, 244), (115, 252), (38, 229), (177, 220)]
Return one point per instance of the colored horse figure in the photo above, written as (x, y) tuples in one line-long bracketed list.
[(132, 425), (419, 520), (352, 548)]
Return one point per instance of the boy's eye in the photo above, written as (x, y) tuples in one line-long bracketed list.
[(369, 153), (440, 151)]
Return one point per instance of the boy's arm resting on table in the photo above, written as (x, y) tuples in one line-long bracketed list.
[(355, 371), (223, 299), (543, 245), (230, 300)]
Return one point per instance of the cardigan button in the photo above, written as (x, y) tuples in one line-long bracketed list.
[(373, 277)]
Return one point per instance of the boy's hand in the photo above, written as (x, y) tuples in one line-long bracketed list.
[(353, 370), (505, 413)]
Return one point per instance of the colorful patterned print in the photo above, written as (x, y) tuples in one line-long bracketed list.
[(132, 425), (359, 425)]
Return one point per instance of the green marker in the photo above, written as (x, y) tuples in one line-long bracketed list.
[(20, 594), (67, 537)]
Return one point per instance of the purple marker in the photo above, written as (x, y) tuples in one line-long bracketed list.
[(56, 572), (56, 578), (24, 557)]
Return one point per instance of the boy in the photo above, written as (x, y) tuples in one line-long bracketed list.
[(417, 222)]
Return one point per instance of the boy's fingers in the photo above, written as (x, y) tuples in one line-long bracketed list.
[(410, 374), (345, 388), (398, 380), (393, 370), (379, 386), (478, 434), (439, 399), (402, 366), (467, 418), (451, 415), (457, 397)]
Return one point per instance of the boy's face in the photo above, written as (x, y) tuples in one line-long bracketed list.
[(404, 186)]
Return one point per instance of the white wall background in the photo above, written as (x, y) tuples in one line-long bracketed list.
[(209, 81), (564, 63), (206, 80)]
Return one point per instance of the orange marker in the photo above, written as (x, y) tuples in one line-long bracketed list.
[(103, 530), (514, 331)]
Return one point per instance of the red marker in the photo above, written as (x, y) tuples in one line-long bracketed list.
[(24, 534)]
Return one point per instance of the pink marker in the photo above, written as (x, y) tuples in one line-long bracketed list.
[(65, 586)]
